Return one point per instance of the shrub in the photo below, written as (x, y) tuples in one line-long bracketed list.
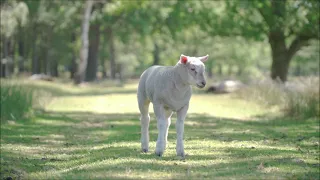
[(16, 102), (304, 102), (299, 98)]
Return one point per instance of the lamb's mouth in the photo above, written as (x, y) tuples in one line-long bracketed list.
[(200, 86)]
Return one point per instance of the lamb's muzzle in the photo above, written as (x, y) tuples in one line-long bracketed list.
[(169, 89)]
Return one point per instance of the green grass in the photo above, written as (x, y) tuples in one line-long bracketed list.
[(93, 132), (16, 101)]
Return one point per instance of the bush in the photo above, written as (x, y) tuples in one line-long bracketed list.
[(304, 102), (299, 98), (16, 102)]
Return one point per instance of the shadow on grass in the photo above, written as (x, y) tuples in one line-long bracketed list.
[(85, 145)]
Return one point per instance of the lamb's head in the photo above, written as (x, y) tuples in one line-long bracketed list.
[(194, 70)]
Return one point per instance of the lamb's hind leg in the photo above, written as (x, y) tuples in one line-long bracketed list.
[(144, 120)]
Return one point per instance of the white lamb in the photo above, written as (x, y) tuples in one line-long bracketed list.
[(169, 89)]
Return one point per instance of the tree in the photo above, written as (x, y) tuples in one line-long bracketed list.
[(13, 18), (168, 19), (116, 15), (288, 26), (80, 75), (94, 43), (50, 23)]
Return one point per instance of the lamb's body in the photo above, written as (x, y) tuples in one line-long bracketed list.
[(164, 85), (168, 88)]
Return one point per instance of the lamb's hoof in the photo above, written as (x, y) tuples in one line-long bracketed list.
[(145, 150)]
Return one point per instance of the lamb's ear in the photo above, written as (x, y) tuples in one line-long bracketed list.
[(204, 58), (183, 59)]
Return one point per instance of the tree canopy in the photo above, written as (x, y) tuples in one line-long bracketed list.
[(125, 37)]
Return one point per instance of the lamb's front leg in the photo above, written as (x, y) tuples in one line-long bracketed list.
[(162, 124), (181, 115)]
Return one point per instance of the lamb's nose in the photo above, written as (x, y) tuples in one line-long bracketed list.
[(203, 83)]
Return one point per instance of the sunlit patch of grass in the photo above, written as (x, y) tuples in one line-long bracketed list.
[(220, 106), (224, 106)]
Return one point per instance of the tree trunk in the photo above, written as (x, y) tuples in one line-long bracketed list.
[(2, 70), (35, 59), (48, 62), (54, 68), (103, 49), (280, 59), (209, 69), (47, 52), (27, 47), (91, 72), (120, 72), (281, 54), (21, 52), (156, 54), (4, 56), (112, 55), (73, 65), (7, 61), (45, 59), (13, 46), (85, 41), (279, 67), (104, 71)]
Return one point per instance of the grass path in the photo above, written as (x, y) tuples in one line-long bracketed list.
[(93, 133)]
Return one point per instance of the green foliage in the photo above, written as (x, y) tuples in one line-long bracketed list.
[(13, 15), (288, 25), (255, 19), (306, 62), (16, 101), (233, 33)]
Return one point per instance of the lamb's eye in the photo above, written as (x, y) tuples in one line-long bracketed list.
[(194, 70)]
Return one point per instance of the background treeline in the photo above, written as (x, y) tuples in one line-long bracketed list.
[(248, 38)]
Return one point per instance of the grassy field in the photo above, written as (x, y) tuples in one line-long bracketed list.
[(93, 132)]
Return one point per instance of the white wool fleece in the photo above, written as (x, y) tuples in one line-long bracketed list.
[(169, 89)]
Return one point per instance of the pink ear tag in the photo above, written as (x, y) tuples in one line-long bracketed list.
[(184, 59)]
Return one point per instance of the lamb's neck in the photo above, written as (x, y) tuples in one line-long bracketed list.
[(180, 77)]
